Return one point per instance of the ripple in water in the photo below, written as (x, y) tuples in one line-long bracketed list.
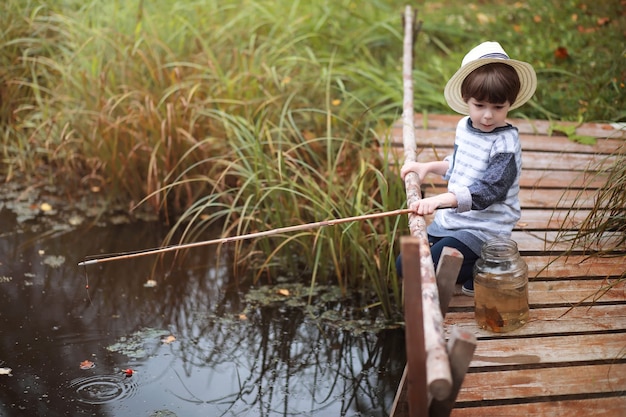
[(102, 389)]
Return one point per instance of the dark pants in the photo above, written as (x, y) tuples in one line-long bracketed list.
[(436, 247)]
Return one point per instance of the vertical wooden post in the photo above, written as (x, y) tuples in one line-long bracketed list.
[(447, 272), (461, 347), (417, 387)]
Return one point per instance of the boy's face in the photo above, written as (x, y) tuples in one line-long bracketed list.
[(487, 116)]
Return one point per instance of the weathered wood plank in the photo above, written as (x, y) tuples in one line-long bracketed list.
[(545, 198), (555, 320), (416, 373), (534, 219), (448, 122), (531, 160), (537, 383), (561, 293), (542, 219), (444, 140), (545, 241), (592, 407), (549, 350), (540, 178), (574, 266)]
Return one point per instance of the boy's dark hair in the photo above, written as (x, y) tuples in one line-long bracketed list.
[(494, 83)]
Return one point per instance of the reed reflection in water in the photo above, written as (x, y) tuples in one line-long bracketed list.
[(225, 357)]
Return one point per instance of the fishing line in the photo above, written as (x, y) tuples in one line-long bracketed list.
[(87, 285)]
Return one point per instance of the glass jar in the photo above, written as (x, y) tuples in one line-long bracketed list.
[(500, 287)]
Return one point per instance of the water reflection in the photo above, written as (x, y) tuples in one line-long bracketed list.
[(273, 360)]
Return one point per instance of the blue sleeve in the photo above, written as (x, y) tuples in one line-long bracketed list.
[(495, 185)]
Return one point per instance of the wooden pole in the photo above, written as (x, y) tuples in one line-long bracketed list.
[(287, 229), (438, 366), (461, 347)]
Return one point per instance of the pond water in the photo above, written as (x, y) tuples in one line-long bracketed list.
[(196, 341)]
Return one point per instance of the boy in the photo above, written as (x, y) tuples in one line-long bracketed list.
[(484, 170)]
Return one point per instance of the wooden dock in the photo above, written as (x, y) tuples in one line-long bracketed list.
[(570, 359)]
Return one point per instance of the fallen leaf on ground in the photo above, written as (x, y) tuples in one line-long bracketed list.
[(169, 339), (284, 292)]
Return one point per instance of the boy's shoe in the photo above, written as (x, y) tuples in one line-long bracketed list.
[(468, 288)]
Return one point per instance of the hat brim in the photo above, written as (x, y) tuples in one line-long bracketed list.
[(525, 71)]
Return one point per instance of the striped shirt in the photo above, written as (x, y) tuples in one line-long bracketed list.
[(484, 175)]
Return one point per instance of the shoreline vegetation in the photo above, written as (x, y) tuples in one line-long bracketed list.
[(254, 115)]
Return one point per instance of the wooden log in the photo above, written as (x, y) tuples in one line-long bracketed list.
[(437, 364), (461, 347), (438, 367)]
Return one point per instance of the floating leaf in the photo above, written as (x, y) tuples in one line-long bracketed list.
[(45, 207), (169, 339), (150, 283), (283, 291), (87, 364), (6, 371)]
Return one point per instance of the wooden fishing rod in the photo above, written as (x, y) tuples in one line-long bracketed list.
[(287, 229)]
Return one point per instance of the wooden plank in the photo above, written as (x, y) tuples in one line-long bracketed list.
[(537, 383), (448, 122), (562, 293), (545, 198), (542, 219), (574, 266), (535, 351), (555, 320), (444, 140), (530, 240), (540, 178), (591, 407), (546, 241), (530, 160), (416, 382)]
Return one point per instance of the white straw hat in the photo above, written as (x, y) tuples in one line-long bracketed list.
[(487, 53)]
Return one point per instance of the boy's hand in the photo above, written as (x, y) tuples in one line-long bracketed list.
[(427, 206), (417, 167)]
